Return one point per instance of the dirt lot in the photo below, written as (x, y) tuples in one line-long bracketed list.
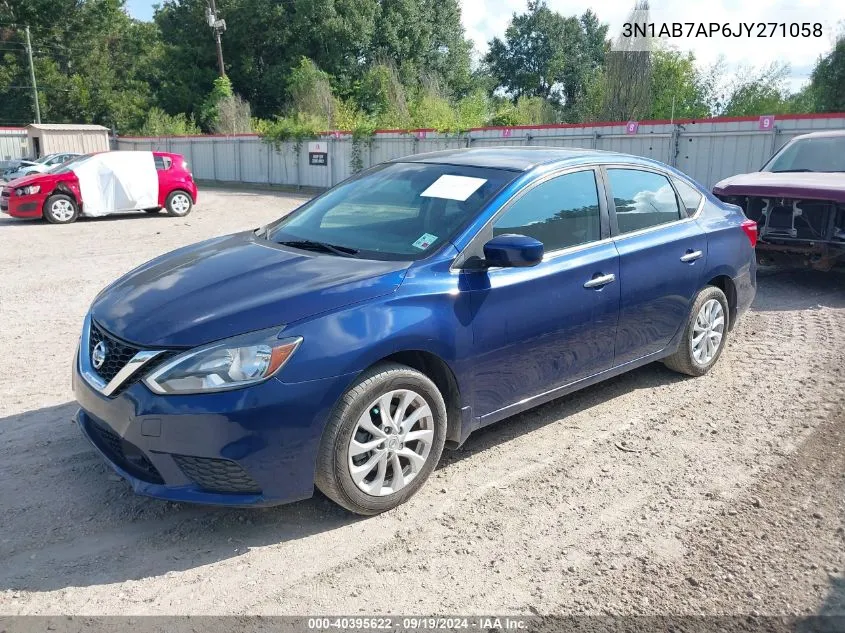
[(734, 502)]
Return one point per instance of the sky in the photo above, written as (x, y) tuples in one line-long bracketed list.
[(485, 19)]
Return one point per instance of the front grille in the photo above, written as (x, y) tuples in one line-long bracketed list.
[(118, 353), (126, 455), (217, 475)]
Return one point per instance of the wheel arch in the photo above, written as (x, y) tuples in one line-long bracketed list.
[(65, 190), (61, 189), (726, 284), (441, 374), (179, 189)]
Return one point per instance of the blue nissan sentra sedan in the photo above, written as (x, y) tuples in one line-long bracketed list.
[(347, 343)]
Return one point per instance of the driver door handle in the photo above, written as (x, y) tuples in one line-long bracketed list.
[(691, 256), (601, 280)]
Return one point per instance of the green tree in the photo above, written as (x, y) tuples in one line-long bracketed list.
[(828, 80), (677, 86), (94, 65), (545, 54), (758, 91), (424, 38)]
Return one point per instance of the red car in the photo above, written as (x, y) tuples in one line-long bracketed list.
[(103, 183)]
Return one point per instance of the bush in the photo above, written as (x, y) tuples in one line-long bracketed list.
[(159, 123), (311, 93), (526, 111), (233, 116)]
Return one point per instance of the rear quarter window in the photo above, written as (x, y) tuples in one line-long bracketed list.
[(690, 196)]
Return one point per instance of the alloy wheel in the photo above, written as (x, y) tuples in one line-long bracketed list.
[(391, 442), (180, 203), (708, 331), (62, 210)]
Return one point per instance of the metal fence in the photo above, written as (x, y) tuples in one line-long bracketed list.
[(708, 149)]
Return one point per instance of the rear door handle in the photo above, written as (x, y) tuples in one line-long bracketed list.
[(691, 256), (601, 280)]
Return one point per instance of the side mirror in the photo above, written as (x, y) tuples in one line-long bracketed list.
[(513, 251)]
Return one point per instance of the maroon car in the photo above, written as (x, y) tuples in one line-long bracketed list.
[(797, 200)]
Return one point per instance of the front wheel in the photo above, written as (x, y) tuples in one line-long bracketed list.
[(383, 440), (60, 209), (704, 335), (178, 204)]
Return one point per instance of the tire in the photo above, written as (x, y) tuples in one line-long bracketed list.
[(60, 209), (152, 211), (179, 203), (334, 476), (695, 360)]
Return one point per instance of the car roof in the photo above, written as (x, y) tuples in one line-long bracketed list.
[(821, 134), (523, 158)]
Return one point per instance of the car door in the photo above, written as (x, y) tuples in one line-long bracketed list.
[(165, 177), (662, 253), (538, 328)]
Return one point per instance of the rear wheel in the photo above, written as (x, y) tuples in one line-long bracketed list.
[(704, 335), (178, 204), (383, 440), (60, 209)]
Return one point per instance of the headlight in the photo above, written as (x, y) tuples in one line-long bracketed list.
[(230, 364), (28, 191)]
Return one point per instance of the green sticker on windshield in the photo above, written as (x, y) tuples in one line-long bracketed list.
[(425, 241)]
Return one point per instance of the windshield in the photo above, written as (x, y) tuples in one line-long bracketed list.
[(822, 153), (398, 211), (67, 166)]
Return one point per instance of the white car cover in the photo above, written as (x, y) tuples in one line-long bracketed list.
[(117, 181)]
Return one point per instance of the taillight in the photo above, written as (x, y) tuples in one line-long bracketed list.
[(749, 227)]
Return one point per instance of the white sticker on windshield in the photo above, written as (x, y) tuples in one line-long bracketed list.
[(425, 241), (453, 187)]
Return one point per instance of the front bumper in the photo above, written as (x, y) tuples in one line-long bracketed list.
[(21, 206), (248, 447)]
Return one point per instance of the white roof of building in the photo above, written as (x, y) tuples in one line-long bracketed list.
[(69, 127)]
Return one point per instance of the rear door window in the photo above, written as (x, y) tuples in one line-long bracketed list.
[(643, 199)]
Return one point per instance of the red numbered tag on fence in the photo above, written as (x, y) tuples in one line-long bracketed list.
[(632, 127), (506, 132), (767, 122)]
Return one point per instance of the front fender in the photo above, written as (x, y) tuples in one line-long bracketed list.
[(352, 339)]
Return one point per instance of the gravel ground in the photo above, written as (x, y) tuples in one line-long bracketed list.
[(732, 503)]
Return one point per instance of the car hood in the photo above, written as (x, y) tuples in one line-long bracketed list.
[(232, 285), (812, 185), (31, 179)]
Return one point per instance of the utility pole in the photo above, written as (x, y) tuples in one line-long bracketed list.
[(32, 76), (218, 26)]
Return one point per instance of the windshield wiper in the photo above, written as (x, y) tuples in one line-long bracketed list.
[(311, 245), (784, 171)]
